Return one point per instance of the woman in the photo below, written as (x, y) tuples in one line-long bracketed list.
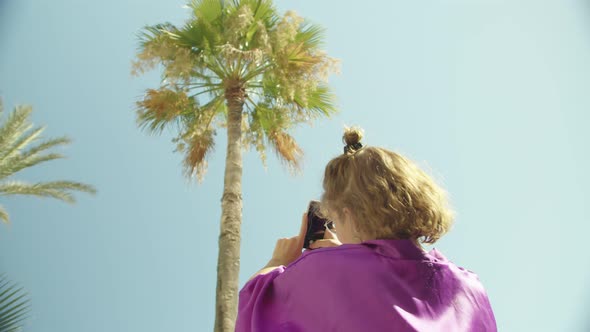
[(373, 275)]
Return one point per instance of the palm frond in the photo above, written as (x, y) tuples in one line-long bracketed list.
[(13, 127), (272, 122), (286, 149), (207, 23), (17, 165), (201, 119), (207, 10), (14, 150), (46, 145), (4, 215), (262, 9), (311, 35), (15, 154), (319, 101), (55, 189), (14, 306), (161, 107), (190, 35), (151, 33), (154, 46), (195, 161), (269, 117), (18, 153), (198, 135), (299, 56)]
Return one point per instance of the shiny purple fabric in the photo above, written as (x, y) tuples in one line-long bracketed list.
[(379, 285)]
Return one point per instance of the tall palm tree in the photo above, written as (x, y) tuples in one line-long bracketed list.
[(237, 65), (14, 306), (19, 150)]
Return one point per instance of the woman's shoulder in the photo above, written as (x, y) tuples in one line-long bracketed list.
[(345, 251), (377, 255), (386, 256), (391, 250)]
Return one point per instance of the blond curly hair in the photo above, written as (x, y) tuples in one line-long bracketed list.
[(389, 196)]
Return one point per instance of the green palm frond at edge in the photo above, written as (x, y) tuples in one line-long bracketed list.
[(14, 306), (15, 155)]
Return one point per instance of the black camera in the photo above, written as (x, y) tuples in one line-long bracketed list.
[(316, 225)]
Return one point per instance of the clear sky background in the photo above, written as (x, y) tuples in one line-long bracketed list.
[(490, 96)]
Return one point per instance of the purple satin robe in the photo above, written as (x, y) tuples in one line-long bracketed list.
[(379, 285)]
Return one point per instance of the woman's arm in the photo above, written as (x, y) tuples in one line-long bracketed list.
[(286, 250), (271, 265)]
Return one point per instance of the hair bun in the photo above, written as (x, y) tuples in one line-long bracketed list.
[(352, 135)]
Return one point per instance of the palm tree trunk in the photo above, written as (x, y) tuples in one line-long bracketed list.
[(228, 263)]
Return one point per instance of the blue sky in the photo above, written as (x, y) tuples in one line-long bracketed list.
[(490, 96)]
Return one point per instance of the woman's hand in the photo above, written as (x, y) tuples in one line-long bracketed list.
[(330, 240), (289, 249)]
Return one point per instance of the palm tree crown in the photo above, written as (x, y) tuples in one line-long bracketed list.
[(235, 49)]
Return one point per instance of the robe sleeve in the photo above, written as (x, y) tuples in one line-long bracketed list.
[(255, 304)]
